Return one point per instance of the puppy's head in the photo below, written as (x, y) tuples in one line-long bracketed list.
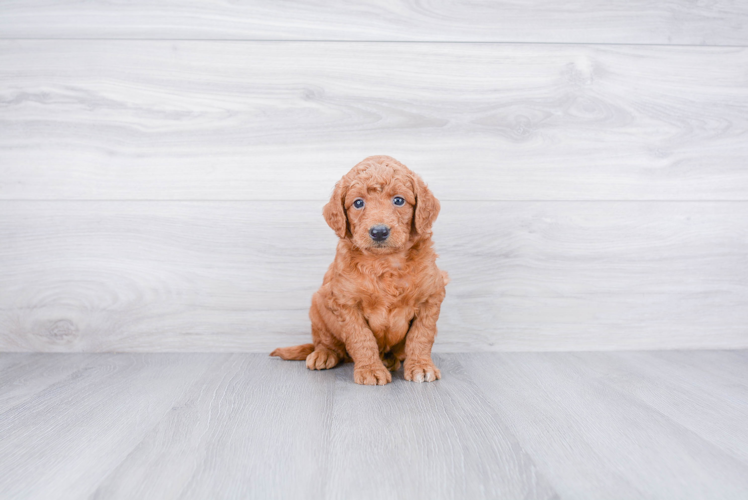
[(381, 206)]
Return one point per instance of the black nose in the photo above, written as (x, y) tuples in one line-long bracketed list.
[(379, 232)]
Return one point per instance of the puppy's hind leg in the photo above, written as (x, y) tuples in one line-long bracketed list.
[(322, 359), (328, 351)]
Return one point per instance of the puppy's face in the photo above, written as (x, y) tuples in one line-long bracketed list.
[(380, 216), (381, 206)]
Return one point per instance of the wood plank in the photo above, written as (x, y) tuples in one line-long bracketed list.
[(511, 425), (268, 120), (73, 433), (437, 440), (255, 427), (720, 22), (592, 441), (252, 427), (688, 393), (24, 375), (727, 368), (232, 276)]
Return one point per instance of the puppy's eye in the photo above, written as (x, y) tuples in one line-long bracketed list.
[(398, 201), (359, 203)]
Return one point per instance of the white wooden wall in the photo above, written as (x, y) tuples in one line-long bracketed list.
[(163, 166)]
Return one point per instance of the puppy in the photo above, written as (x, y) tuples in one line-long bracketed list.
[(381, 296)]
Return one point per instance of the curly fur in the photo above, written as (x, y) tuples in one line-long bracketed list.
[(379, 301)]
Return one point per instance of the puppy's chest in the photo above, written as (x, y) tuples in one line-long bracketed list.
[(388, 302)]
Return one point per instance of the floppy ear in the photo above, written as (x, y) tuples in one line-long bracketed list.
[(334, 212), (427, 207)]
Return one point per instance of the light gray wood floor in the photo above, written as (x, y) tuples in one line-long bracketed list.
[(513, 425)]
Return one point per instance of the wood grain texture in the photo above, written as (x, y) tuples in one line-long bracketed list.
[(511, 425), (590, 439), (247, 429), (238, 276), (71, 434), (438, 429), (720, 22), (183, 120), (24, 375), (707, 397)]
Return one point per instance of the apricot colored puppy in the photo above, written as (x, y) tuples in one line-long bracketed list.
[(380, 298)]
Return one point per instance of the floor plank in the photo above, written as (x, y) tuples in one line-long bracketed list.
[(249, 428), (715, 409), (24, 376), (165, 120), (720, 22), (70, 435), (592, 440), (434, 441), (232, 276), (529, 425)]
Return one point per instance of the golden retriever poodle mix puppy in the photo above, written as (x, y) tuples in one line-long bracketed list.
[(381, 296)]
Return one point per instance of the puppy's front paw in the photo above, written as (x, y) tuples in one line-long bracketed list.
[(421, 371), (371, 375), (322, 359)]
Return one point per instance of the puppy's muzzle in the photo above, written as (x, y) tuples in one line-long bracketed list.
[(379, 233)]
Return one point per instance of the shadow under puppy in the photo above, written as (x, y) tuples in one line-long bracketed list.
[(381, 296)]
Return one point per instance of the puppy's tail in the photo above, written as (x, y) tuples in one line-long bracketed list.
[(295, 353)]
